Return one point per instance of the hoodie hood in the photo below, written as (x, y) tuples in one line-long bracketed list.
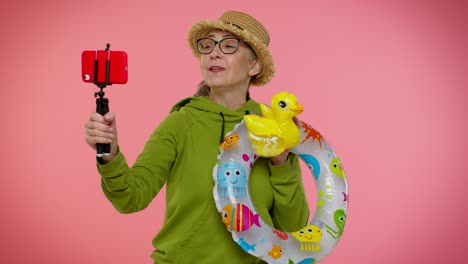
[(203, 103), (226, 117)]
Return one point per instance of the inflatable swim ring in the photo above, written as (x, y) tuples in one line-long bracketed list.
[(233, 200)]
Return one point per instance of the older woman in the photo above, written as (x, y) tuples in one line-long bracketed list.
[(182, 151)]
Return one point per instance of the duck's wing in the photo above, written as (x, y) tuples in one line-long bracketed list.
[(266, 111), (261, 126)]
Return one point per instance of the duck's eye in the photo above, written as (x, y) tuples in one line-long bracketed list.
[(282, 104)]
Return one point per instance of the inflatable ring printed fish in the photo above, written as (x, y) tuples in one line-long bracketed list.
[(267, 136)]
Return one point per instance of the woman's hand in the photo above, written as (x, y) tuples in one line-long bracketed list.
[(102, 129), (280, 159)]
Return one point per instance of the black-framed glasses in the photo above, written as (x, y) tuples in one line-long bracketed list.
[(226, 45)]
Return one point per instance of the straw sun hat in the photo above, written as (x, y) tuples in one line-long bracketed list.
[(245, 27)]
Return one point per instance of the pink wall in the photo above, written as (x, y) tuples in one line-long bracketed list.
[(384, 81)]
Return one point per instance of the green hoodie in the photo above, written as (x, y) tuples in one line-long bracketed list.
[(181, 153)]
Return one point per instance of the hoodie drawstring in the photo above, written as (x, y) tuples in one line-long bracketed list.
[(221, 138)]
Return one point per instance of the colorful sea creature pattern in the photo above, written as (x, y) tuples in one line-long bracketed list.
[(309, 237), (340, 219), (238, 217), (230, 142), (276, 252), (246, 246), (337, 168), (311, 133), (282, 235), (232, 179), (312, 163)]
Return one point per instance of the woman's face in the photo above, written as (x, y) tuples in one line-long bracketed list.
[(224, 70)]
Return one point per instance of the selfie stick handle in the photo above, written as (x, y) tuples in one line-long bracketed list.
[(102, 107), (102, 104)]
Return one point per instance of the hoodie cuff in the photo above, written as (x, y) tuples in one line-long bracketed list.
[(115, 167), (283, 173)]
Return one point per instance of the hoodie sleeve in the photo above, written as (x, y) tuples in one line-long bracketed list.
[(132, 189), (290, 210)]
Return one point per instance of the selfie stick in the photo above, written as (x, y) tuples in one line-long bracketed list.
[(102, 104)]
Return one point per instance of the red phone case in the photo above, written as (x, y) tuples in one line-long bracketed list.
[(118, 66)]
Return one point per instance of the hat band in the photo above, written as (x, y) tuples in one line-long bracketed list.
[(237, 26)]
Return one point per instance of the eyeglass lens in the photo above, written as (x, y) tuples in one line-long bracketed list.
[(227, 45)]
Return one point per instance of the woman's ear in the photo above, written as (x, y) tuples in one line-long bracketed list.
[(255, 68)]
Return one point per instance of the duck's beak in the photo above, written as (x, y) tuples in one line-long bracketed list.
[(297, 109)]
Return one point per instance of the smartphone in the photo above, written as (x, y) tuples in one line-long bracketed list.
[(94, 64)]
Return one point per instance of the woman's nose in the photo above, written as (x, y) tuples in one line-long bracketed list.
[(216, 52)]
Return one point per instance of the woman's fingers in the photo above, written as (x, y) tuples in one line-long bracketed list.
[(100, 129), (96, 126), (100, 133)]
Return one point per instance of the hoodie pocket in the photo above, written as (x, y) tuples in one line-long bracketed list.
[(197, 227), (210, 242), (208, 239)]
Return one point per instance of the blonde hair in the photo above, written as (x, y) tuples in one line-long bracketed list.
[(202, 89)]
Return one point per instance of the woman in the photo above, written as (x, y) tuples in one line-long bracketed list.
[(183, 149)]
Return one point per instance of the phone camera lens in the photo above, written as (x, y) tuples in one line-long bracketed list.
[(86, 77)]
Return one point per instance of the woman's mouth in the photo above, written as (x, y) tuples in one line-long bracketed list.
[(216, 69)]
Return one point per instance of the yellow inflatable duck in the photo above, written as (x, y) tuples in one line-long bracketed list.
[(275, 131)]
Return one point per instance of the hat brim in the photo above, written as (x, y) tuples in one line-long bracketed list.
[(202, 28)]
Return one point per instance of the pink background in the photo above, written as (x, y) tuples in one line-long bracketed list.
[(384, 81)]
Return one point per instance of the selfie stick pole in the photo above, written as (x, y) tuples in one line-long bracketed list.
[(102, 104)]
